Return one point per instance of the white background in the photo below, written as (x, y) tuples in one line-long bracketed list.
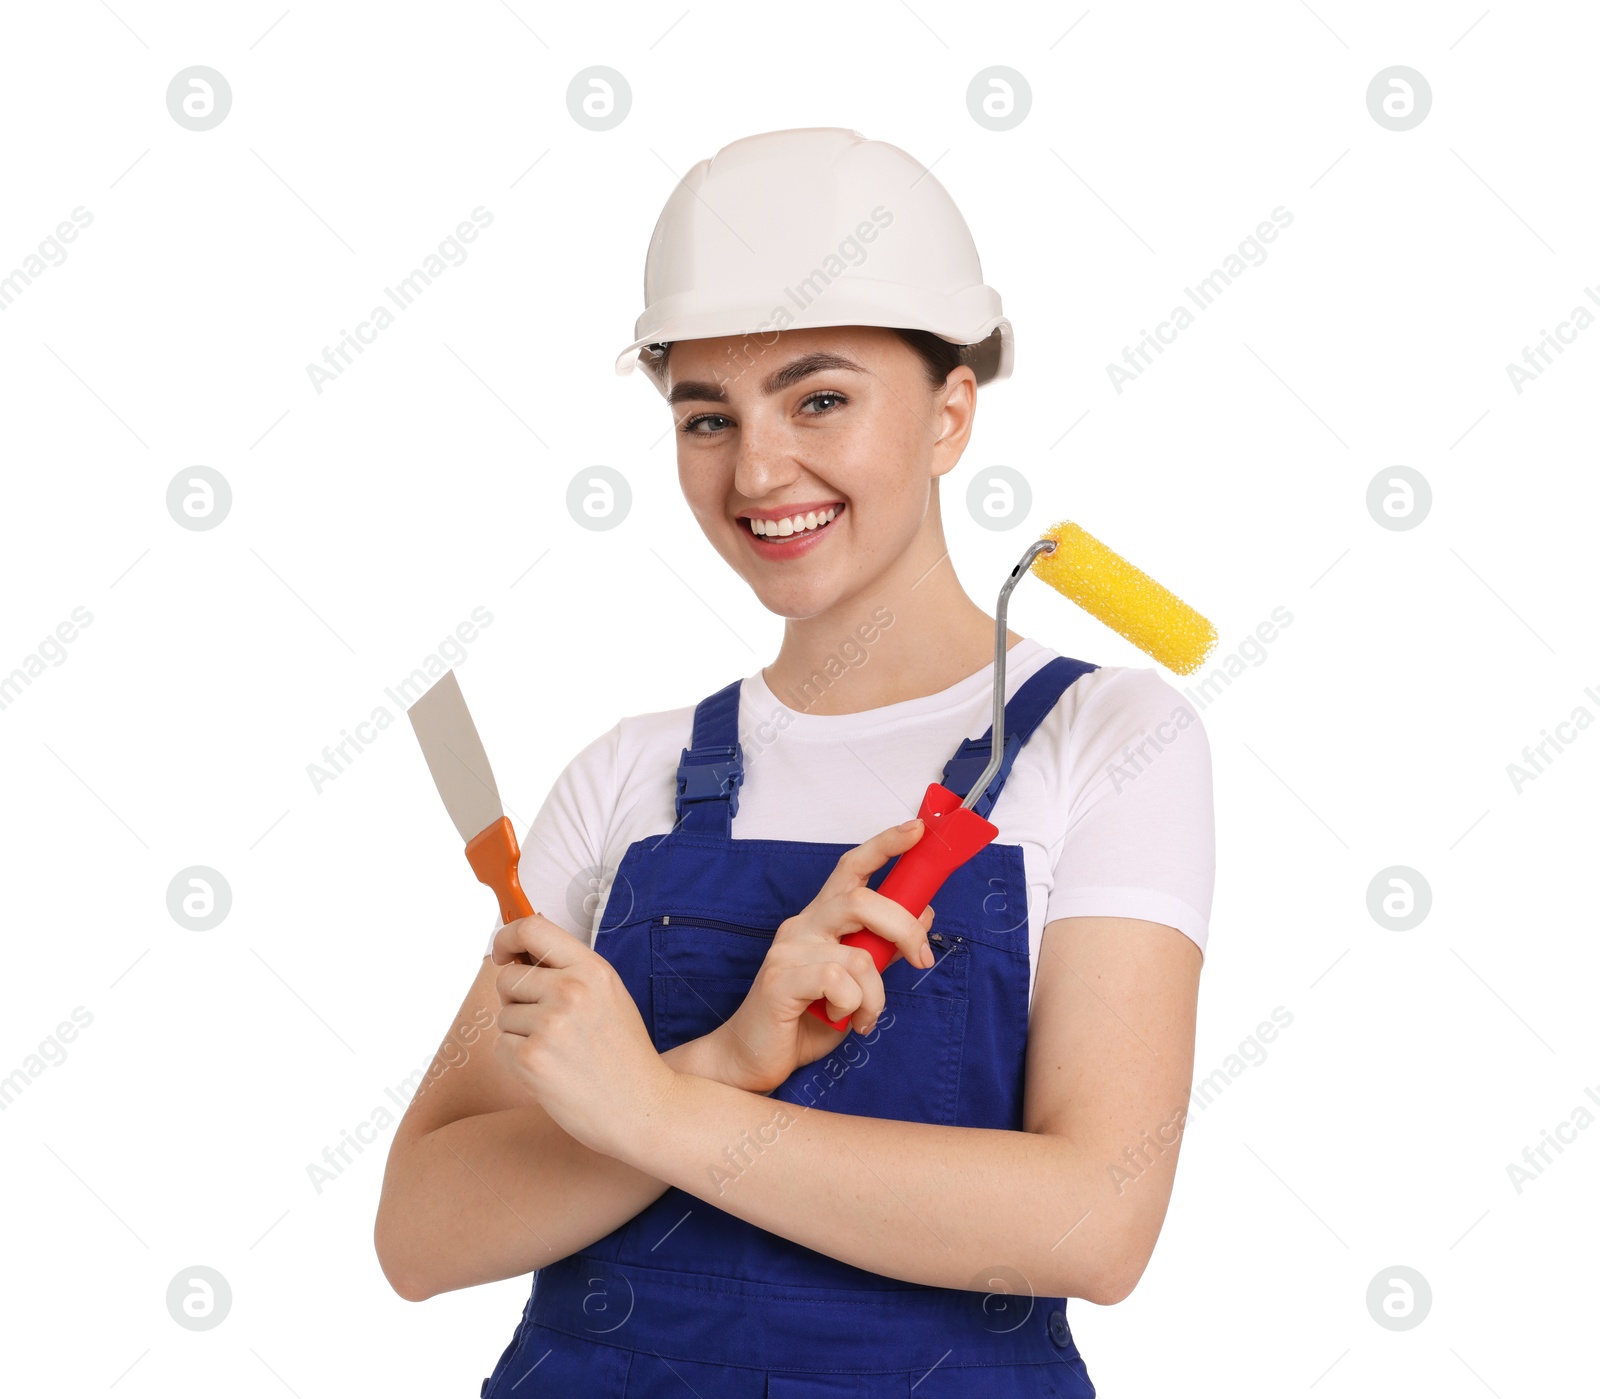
[(369, 520)]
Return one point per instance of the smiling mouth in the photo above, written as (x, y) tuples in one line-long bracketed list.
[(793, 527)]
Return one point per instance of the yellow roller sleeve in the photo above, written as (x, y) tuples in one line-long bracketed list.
[(1125, 598)]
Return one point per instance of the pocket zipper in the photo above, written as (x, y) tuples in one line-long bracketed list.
[(949, 942), (718, 925)]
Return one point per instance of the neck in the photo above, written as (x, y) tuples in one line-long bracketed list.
[(913, 633)]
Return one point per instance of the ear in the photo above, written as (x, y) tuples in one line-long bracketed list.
[(954, 408)]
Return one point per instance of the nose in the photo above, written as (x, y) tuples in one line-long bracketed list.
[(765, 460)]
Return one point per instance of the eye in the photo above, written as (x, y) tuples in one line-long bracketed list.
[(821, 394), (690, 425)]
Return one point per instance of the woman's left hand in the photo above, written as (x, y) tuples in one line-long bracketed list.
[(570, 1031)]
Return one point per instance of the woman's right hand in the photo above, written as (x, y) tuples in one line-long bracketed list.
[(771, 1034)]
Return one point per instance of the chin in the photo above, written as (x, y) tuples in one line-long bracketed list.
[(796, 601)]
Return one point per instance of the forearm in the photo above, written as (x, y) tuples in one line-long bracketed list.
[(944, 1206), (499, 1194)]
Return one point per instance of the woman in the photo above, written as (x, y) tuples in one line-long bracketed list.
[(721, 1194)]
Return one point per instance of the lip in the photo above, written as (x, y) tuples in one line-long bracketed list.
[(794, 545), (791, 508)]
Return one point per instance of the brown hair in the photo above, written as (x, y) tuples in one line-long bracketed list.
[(938, 355)]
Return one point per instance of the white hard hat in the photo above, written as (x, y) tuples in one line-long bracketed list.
[(817, 226)]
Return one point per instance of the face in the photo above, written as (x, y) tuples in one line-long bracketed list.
[(836, 426)]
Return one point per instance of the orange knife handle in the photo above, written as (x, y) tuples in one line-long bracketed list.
[(493, 855)]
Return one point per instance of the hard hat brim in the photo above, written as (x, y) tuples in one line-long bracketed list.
[(989, 341)]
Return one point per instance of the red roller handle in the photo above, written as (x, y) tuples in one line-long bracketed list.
[(951, 835)]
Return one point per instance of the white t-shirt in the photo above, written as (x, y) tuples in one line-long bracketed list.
[(1110, 799)]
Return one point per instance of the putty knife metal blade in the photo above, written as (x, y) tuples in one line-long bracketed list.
[(455, 756)]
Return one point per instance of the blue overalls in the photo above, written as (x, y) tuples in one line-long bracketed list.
[(688, 1300)]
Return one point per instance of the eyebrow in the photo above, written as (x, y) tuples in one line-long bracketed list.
[(776, 382)]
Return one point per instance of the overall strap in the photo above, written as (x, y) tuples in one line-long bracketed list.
[(1024, 713), (712, 767)]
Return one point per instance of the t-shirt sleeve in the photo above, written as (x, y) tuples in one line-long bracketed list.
[(1141, 836), (560, 867)]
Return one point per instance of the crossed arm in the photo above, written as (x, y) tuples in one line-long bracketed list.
[(482, 1185)]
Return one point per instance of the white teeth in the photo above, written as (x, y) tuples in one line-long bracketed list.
[(794, 524)]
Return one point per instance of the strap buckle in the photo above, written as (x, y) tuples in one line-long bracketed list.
[(712, 773), (967, 766)]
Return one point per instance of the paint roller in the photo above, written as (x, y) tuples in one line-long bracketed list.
[(1106, 586)]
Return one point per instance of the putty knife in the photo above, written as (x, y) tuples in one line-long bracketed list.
[(461, 772)]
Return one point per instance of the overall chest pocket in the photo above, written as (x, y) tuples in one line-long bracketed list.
[(907, 1068)]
